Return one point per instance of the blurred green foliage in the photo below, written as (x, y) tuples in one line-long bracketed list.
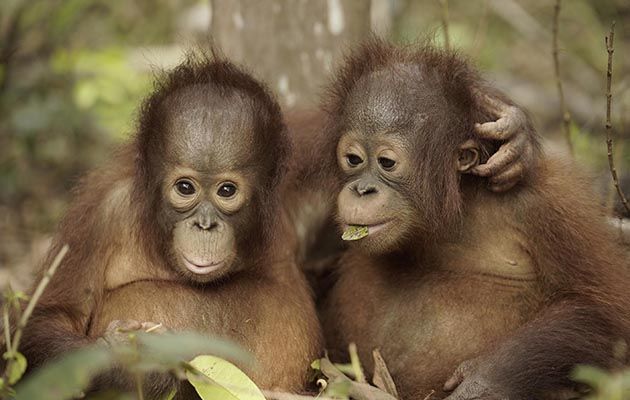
[(105, 86), (605, 385), (67, 90), (511, 42), (142, 355)]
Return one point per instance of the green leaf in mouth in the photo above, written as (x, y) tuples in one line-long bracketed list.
[(355, 232)]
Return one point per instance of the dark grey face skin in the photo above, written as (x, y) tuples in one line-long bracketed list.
[(209, 129), (209, 180), (380, 152)]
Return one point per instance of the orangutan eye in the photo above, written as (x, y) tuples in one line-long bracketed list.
[(353, 160), (227, 189), (386, 163), (185, 187)]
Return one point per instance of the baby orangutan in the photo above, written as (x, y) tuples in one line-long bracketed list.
[(468, 292), (183, 228)]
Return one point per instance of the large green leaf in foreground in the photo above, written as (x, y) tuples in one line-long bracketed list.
[(165, 351), (222, 380), (66, 377), (71, 374)]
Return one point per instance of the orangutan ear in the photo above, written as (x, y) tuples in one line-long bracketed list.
[(468, 156)]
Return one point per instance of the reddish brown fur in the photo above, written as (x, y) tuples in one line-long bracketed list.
[(531, 282), (227, 77), (453, 79), (308, 199), (116, 268)]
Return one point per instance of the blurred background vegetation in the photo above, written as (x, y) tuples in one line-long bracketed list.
[(73, 74)]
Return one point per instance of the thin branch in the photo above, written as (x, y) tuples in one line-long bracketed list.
[(444, 4), (36, 295), (610, 48), (566, 117), (154, 328), (30, 307), (7, 328)]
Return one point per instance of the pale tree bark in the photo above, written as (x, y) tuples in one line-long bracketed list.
[(293, 45)]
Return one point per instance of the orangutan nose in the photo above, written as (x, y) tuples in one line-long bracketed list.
[(205, 223), (206, 218), (365, 187)]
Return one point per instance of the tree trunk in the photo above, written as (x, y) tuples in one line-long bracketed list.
[(292, 45)]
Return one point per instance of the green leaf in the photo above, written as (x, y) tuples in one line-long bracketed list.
[(171, 395), (357, 370), (167, 351), (17, 367), (14, 297), (592, 376), (339, 385), (355, 232), (339, 389), (65, 377), (347, 369), (21, 296), (222, 380), (86, 95), (207, 389)]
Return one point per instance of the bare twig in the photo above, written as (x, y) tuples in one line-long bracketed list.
[(444, 4), (154, 328), (30, 307), (7, 328), (611, 193), (610, 48), (566, 116), (36, 295)]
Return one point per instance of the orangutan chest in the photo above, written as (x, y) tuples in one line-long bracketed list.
[(180, 308), (440, 309), (425, 327)]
